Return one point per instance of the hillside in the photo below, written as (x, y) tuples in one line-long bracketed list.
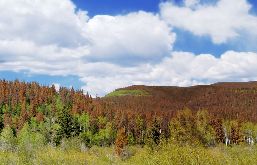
[(37, 118), (226, 100)]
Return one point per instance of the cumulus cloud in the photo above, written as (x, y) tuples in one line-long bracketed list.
[(42, 22), (138, 35), (180, 69), (53, 33), (205, 68), (54, 38), (107, 52), (222, 21)]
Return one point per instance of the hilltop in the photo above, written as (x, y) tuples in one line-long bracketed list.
[(225, 99)]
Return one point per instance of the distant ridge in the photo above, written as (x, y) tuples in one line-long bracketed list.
[(225, 99)]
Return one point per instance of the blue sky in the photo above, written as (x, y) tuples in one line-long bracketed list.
[(116, 7), (114, 43), (185, 40), (66, 81)]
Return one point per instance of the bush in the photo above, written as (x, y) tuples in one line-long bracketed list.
[(73, 143), (29, 141), (7, 140), (87, 138)]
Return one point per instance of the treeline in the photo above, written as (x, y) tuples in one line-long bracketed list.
[(30, 111), (20, 102), (230, 101)]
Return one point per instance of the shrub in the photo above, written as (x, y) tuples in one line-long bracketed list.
[(28, 140), (7, 140), (73, 143)]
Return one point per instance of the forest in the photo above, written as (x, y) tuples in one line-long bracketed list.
[(134, 125)]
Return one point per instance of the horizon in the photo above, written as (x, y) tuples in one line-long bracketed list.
[(101, 46)]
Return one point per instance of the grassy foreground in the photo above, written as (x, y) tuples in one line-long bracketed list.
[(170, 154)]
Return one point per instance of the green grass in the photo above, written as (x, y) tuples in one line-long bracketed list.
[(169, 154), (124, 92)]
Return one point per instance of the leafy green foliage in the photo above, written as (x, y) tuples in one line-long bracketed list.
[(205, 132), (69, 126), (7, 140), (167, 154), (35, 118), (28, 140), (154, 134), (84, 122), (183, 128)]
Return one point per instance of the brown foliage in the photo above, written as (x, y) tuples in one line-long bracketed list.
[(229, 101), (121, 141), (236, 136), (218, 128), (22, 100)]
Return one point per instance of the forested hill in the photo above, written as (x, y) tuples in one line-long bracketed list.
[(141, 113), (20, 102), (230, 100)]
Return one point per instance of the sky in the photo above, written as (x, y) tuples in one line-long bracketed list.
[(99, 46)]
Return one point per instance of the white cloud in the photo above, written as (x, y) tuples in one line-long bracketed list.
[(191, 3), (52, 34), (107, 77), (51, 38), (222, 21), (206, 68), (42, 22), (180, 69), (136, 35)]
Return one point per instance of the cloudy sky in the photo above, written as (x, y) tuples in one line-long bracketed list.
[(101, 45)]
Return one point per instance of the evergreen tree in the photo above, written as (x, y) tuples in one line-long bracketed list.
[(154, 134), (69, 126)]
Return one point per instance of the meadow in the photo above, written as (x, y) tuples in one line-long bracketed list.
[(166, 154)]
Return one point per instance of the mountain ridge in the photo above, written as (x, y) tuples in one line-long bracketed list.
[(223, 99)]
